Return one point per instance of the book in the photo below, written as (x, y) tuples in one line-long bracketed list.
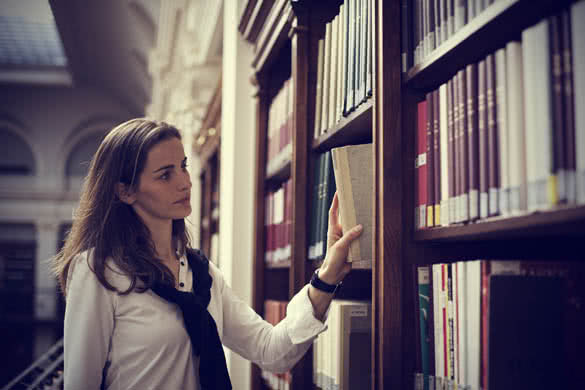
[(444, 145), (537, 91), (515, 114), (425, 321), (437, 300), (421, 166), (463, 148), (332, 86), (326, 90), (568, 105), (472, 141), (578, 72), (430, 162), (436, 160), (503, 133), (483, 139), (492, 137), (319, 90), (451, 152), (353, 171)]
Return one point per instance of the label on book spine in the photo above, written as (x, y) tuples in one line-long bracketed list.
[(553, 195), (473, 204), (359, 312), (430, 216), (483, 205), (431, 379), (493, 200), (580, 186), (418, 381)]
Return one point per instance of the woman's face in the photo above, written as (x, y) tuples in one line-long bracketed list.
[(164, 191)]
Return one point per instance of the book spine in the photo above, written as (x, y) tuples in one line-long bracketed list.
[(444, 155), (472, 141), (422, 165), (332, 117), (578, 72), (450, 152), (326, 79), (450, 323), (558, 125), (463, 148), (456, 151), (437, 317), (437, 159), (502, 125), (444, 20), (485, 275), (493, 152), (438, 26), (472, 324), (405, 33), (483, 140), (568, 105), (459, 14), (431, 18), (319, 89), (515, 99), (425, 326), (430, 162)]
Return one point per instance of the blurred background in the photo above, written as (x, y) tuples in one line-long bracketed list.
[(69, 72)]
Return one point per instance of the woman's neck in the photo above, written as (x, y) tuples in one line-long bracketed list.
[(161, 233)]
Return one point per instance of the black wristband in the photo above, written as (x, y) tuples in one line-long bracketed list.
[(321, 285)]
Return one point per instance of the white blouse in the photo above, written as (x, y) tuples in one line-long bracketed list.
[(142, 340)]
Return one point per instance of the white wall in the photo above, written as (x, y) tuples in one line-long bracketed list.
[(238, 144)]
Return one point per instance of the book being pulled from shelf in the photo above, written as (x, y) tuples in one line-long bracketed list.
[(342, 354), (274, 312), (280, 122), (505, 136), (277, 225), (344, 64), (500, 324), (354, 179)]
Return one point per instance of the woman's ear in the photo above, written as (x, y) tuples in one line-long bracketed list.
[(125, 193)]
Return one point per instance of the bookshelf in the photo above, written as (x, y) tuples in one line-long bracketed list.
[(285, 38), (207, 146)]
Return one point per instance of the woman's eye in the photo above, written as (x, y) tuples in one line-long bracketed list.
[(165, 176)]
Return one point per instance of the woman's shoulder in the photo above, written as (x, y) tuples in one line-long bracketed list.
[(84, 266)]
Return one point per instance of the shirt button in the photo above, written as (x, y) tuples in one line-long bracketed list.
[(182, 263), (181, 284)]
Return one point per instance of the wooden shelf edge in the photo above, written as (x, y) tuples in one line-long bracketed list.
[(356, 265), (563, 217), (279, 265), (356, 127), (499, 23), (280, 168)]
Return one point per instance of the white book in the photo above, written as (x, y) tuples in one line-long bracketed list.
[(461, 323), (502, 124), (538, 114), (326, 78), (333, 74), (577, 34), (341, 43), (444, 144), (459, 15), (335, 351), (454, 313), (516, 130), (438, 320), (472, 323)]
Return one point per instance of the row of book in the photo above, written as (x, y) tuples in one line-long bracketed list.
[(323, 190), (274, 312), (280, 126), (344, 69), (505, 136), (342, 354), (277, 224), (500, 325), (426, 24)]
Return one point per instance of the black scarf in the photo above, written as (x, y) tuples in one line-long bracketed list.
[(200, 325)]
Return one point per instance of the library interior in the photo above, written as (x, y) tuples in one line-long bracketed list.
[(451, 131)]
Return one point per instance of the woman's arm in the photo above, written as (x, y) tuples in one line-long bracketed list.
[(89, 322), (335, 266)]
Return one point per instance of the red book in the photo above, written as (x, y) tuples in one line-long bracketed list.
[(421, 166)]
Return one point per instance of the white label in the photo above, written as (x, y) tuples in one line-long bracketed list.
[(359, 312)]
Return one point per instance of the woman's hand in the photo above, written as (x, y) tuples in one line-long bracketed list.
[(335, 266)]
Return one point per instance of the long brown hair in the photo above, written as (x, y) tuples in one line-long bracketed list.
[(111, 227)]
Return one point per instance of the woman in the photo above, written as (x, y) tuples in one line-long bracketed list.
[(144, 310)]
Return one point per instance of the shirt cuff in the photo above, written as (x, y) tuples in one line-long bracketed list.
[(302, 325)]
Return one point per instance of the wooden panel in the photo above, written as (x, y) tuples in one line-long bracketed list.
[(387, 353), (302, 372)]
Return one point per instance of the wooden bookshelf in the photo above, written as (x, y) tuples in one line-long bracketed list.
[(553, 235)]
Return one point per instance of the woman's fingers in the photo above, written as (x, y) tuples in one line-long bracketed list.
[(351, 235), (334, 211)]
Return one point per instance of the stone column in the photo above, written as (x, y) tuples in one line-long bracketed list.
[(45, 283)]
